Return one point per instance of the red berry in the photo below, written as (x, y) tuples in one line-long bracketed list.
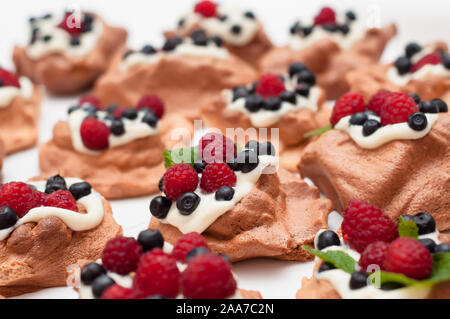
[(89, 100), (374, 254), (216, 148), (121, 255), (397, 108), (348, 104), (8, 78), (377, 101), (71, 24), (409, 257), (157, 274), (325, 16), (270, 85), (432, 58), (179, 179), (208, 276), (152, 102), (94, 134), (61, 199), (186, 243), (364, 224), (118, 292), (20, 197), (216, 175), (206, 8)]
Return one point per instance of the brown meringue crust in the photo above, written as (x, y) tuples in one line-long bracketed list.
[(274, 219), (183, 82), (62, 74), (330, 62), (400, 177), (313, 288), (368, 80), (36, 256), (19, 129)]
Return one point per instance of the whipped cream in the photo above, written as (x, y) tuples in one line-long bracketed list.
[(385, 134), (60, 41), (209, 209), (425, 71), (8, 93), (134, 129), (75, 221)]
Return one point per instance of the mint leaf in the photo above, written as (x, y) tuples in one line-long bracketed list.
[(441, 268), (408, 228), (393, 277), (186, 155), (338, 258), (319, 131)]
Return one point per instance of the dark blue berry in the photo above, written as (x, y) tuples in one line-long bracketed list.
[(403, 65), (160, 206), (117, 128), (73, 109), (250, 15), (428, 107), (247, 160), (8, 217), (358, 280), (429, 243), (370, 127), (272, 103), (415, 97), (326, 266), (425, 222), (55, 183), (130, 114), (253, 103), (440, 104), (199, 37), (296, 67), (303, 89), (224, 193), (150, 118), (199, 167), (171, 44), (150, 238), (160, 184), (288, 96), (196, 251), (412, 48), (350, 15), (236, 29), (238, 92), (79, 190), (100, 284), (187, 203), (417, 121), (75, 41), (307, 77), (218, 41), (358, 118), (442, 248), (90, 272), (328, 238), (148, 49)]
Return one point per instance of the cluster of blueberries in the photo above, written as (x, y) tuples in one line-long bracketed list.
[(8, 216), (298, 28), (426, 225), (417, 121), (255, 102), (116, 125), (246, 161), (403, 64), (86, 26)]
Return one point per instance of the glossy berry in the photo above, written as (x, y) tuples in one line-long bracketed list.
[(247, 161), (348, 104), (61, 199), (370, 127), (79, 190), (328, 238), (196, 251), (446, 62), (172, 43), (288, 96), (412, 48), (442, 248), (121, 255), (216, 148), (55, 183), (117, 127), (440, 104), (186, 243), (430, 244), (160, 184), (254, 102), (94, 134), (432, 58), (303, 89), (20, 197), (358, 118), (425, 222), (216, 175), (239, 92), (428, 107), (90, 272), (150, 239), (151, 119), (148, 49), (397, 108), (179, 179), (8, 217), (326, 266), (377, 100), (199, 37), (403, 65), (117, 292), (160, 206), (130, 114), (100, 284), (225, 193), (418, 121), (374, 254), (272, 103), (8, 78), (236, 29), (325, 16), (296, 68), (188, 202), (358, 280), (199, 167), (152, 102), (206, 8), (307, 77), (270, 85), (416, 97)]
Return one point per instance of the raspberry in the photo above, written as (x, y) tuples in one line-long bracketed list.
[(348, 104), (186, 243), (216, 148), (325, 16), (377, 101), (118, 292), (61, 199), (374, 254), (157, 274), (397, 108), (9, 79), (70, 24), (152, 102), (94, 134), (269, 85), (89, 100), (179, 179), (432, 58), (20, 197), (409, 257), (121, 255), (206, 8), (216, 175), (208, 276), (364, 224)]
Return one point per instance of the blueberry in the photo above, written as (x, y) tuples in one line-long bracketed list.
[(442, 248), (46, 38), (8, 217), (272, 103), (307, 77), (370, 126), (288, 96), (345, 29), (90, 272), (236, 29), (307, 31), (187, 203), (130, 114), (428, 107), (148, 49), (303, 89), (425, 222), (199, 167), (328, 238), (226, 257), (196, 251), (440, 104), (415, 97), (31, 19), (100, 284), (117, 128), (160, 184), (295, 28), (253, 103), (88, 18), (150, 118), (171, 44), (127, 54), (403, 65), (326, 266), (55, 183), (252, 87), (224, 193), (412, 48), (79, 190), (350, 15), (86, 28), (358, 280), (73, 109), (181, 22), (75, 41), (252, 145), (47, 16), (391, 286), (217, 40), (233, 165), (150, 238), (330, 27), (417, 121), (369, 112), (266, 148), (111, 108), (199, 37), (429, 243), (249, 15), (160, 206), (90, 109), (238, 92), (358, 118), (446, 61), (247, 161), (223, 17)]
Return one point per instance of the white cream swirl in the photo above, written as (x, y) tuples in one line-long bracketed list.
[(8, 93)]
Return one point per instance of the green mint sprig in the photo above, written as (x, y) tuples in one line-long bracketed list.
[(187, 155), (408, 228), (319, 131)]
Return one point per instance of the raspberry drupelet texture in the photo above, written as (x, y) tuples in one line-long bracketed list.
[(20, 197), (179, 179), (94, 134), (121, 255), (152, 102), (118, 292), (325, 16), (216, 175), (216, 148), (348, 104), (61, 199), (186, 243), (270, 85), (397, 108), (206, 8), (377, 101), (374, 254)]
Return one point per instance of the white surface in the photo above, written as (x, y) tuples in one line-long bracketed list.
[(423, 21)]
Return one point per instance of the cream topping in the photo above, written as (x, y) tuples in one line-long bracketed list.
[(8, 93), (423, 72)]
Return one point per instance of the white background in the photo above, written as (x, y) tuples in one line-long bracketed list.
[(421, 21)]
